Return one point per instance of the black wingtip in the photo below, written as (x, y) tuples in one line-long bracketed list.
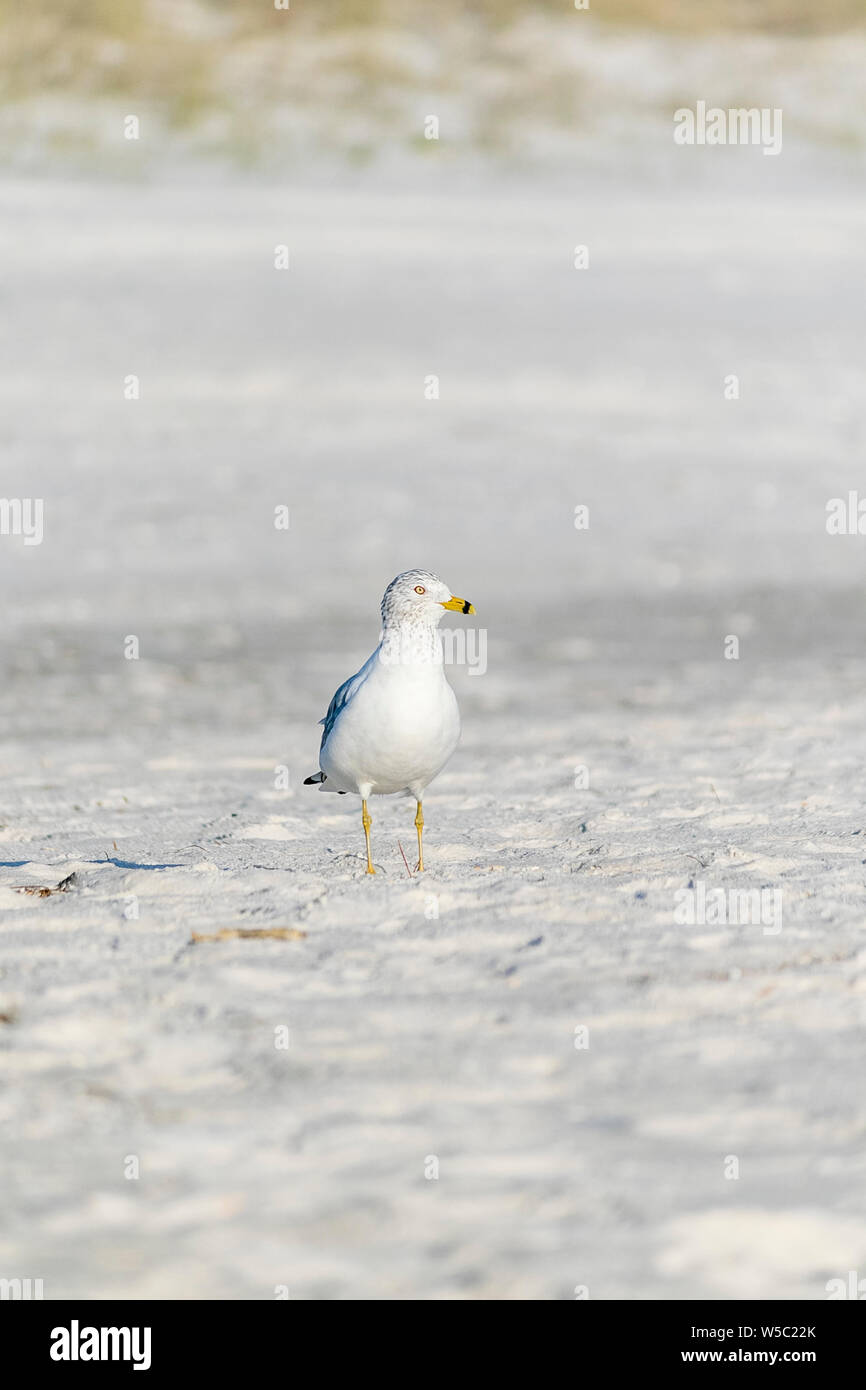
[(316, 777)]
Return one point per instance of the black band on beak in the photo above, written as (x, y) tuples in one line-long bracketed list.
[(466, 606)]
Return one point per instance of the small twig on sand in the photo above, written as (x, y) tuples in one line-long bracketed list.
[(251, 933), (405, 860)]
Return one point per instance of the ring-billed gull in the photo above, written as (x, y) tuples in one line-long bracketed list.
[(393, 725)]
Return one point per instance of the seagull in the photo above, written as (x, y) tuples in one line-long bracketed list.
[(393, 725)]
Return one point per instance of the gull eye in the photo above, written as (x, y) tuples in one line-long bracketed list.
[(419, 589)]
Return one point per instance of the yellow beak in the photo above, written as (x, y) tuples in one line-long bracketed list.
[(459, 605)]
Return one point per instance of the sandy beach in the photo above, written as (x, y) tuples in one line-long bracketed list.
[(521, 1075)]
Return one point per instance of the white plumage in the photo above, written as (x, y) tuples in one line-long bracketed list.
[(393, 725)]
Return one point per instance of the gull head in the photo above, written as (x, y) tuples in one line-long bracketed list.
[(419, 598)]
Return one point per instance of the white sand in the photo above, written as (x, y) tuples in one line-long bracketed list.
[(415, 1035)]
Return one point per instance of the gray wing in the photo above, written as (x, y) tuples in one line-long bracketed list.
[(342, 698)]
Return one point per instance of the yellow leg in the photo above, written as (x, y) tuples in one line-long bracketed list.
[(419, 826), (367, 822)]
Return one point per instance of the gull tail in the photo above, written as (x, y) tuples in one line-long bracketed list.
[(320, 778)]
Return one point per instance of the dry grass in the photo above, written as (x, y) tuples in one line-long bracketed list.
[(229, 67), (159, 49)]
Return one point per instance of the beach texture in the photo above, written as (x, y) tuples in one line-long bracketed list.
[(520, 1075)]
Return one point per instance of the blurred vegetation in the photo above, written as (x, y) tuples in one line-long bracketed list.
[(192, 60)]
